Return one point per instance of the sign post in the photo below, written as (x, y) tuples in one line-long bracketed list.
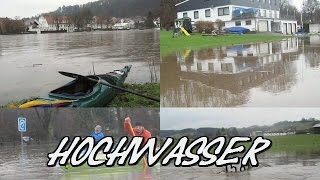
[(22, 126)]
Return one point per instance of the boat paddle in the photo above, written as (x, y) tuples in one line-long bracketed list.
[(144, 158), (72, 75)]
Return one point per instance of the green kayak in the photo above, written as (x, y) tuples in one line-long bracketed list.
[(115, 169), (82, 92)]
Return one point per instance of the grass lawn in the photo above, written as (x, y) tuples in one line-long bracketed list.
[(169, 45), (122, 99), (305, 142), (130, 100)]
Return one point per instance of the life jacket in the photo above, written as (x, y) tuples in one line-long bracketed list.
[(98, 136), (145, 133)]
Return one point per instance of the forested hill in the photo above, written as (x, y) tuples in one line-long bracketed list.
[(300, 127), (115, 8)]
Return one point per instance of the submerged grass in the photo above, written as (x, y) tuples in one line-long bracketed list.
[(195, 41), (122, 99)]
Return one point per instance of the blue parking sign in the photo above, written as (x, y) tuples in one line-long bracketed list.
[(22, 124)]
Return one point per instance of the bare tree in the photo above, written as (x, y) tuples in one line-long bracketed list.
[(309, 8)]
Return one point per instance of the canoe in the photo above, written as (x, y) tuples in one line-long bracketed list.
[(82, 92), (100, 156)]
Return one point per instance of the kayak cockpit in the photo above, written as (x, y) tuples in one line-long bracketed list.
[(76, 88)]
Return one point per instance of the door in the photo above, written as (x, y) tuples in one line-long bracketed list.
[(263, 26), (289, 28)]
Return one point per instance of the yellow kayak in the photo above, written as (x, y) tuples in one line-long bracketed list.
[(45, 103)]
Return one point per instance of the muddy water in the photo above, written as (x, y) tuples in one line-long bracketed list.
[(283, 73), (29, 63), (30, 163), (286, 166)]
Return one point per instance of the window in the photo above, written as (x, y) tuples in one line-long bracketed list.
[(185, 15), (264, 13), (208, 13), (210, 67), (238, 23), (196, 15), (223, 11), (248, 22)]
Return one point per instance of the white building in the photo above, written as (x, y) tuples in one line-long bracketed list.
[(124, 25), (51, 24), (314, 28), (255, 15)]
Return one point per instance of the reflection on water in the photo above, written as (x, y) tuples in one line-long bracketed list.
[(29, 63), (263, 74), (285, 165), (30, 161)]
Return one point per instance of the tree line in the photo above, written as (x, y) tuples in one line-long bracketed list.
[(11, 26), (310, 10)]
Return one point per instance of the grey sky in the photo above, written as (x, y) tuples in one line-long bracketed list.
[(28, 8), (181, 118)]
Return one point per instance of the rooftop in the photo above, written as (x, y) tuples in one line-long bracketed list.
[(317, 126)]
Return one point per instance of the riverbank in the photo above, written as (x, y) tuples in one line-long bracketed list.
[(130, 100), (122, 99), (195, 41)]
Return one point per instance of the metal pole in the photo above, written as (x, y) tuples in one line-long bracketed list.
[(21, 139), (302, 13)]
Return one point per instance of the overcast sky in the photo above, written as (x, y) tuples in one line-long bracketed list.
[(181, 118), (28, 8)]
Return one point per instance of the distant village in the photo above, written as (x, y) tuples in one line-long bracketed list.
[(55, 24)]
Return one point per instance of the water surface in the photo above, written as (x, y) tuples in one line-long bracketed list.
[(283, 73), (284, 165), (30, 63)]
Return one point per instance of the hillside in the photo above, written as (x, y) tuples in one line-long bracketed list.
[(303, 126), (115, 8)]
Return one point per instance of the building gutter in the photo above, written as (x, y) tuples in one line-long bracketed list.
[(181, 3)]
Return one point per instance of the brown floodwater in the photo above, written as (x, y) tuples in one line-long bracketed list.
[(47, 127), (29, 64), (283, 73), (285, 166), (29, 162)]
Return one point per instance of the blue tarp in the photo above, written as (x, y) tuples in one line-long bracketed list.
[(237, 29)]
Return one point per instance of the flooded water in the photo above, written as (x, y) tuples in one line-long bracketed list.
[(286, 166), (30, 161), (30, 63), (283, 74)]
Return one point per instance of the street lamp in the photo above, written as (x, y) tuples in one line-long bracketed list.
[(302, 14)]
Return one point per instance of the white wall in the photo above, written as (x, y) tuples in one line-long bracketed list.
[(252, 27), (214, 13), (293, 26), (314, 28)]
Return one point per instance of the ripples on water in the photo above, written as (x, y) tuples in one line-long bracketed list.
[(286, 166), (29, 63), (30, 163), (263, 74)]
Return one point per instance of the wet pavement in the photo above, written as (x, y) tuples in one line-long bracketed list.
[(271, 74), (30, 63)]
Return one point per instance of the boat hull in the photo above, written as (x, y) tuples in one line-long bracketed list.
[(99, 95)]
